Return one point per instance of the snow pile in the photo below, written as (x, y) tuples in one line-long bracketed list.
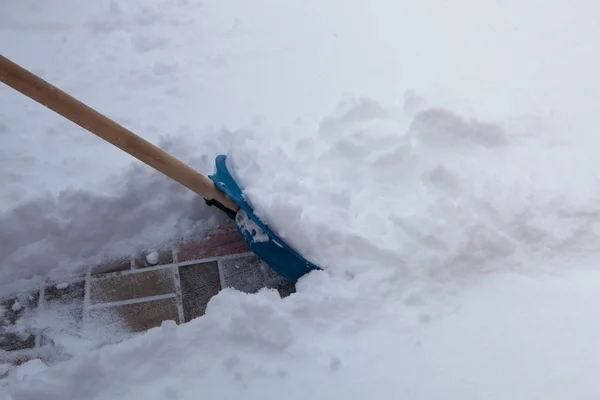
[(416, 194)]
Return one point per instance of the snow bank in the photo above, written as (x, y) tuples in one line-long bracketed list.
[(418, 194)]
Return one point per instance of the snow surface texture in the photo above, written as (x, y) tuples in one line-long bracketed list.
[(452, 204), (434, 193)]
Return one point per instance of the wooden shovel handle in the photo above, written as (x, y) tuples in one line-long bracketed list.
[(55, 99)]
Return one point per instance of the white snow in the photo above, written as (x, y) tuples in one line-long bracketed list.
[(248, 225), (62, 286), (437, 159), (26, 370), (152, 258), (16, 306)]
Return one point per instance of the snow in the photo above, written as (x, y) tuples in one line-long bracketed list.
[(485, 343), (247, 225), (62, 286), (25, 370), (431, 196), (152, 258), (16, 306), (437, 160)]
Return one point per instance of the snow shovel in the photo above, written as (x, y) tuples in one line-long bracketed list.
[(219, 189)]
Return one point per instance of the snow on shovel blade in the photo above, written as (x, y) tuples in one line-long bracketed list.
[(263, 242)]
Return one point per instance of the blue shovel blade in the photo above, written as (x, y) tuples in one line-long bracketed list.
[(261, 240)]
